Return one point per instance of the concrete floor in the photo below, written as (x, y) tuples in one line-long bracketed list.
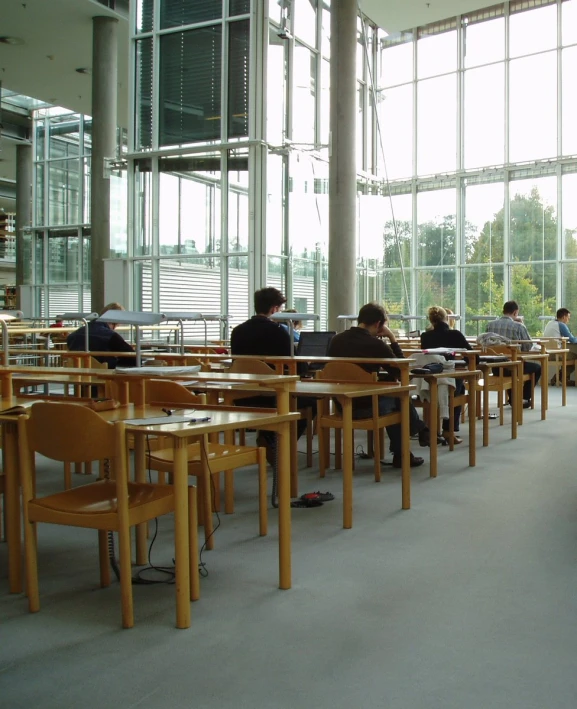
[(467, 601)]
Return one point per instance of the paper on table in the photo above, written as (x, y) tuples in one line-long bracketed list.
[(159, 371)]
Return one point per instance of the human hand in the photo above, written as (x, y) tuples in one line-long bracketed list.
[(385, 331)]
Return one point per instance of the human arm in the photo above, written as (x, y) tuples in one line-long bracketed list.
[(394, 347), (564, 331)]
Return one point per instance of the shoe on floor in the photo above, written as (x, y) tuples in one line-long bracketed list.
[(415, 461), (424, 437), (526, 404), (456, 439), (270, 446)]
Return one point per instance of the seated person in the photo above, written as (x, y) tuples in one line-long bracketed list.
[(364, 340), (262, 336), (297, 327), (510, 326), (560, 326), (102, 338), (442, 335)]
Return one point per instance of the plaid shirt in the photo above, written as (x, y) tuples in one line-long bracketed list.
[(507, 327)]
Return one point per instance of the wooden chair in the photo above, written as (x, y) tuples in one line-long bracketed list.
[(346, 372), (208, 460), (257, 366), (71, 433)]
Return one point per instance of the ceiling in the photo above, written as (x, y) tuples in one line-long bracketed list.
[(57, 40), (398, 15)]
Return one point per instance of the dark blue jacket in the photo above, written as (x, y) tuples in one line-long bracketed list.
[(101, 338)]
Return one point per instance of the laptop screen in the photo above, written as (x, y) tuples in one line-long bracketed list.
[(314, 344)]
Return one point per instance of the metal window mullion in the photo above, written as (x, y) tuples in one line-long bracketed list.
[(132, 74), (224, 70), (318, 78), (559, 289), (415, 101), (507, 83), (459, 242), (460, 96), (155, 76), (224, 227), (414, 251), (559, 83), (154, 246), (506, 239)]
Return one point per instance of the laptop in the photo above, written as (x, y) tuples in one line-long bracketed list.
[(313, 344)]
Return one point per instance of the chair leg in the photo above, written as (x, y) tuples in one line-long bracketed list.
[(193, 543), (262, 502), (103, 558), (338, 449), (67, 476), (321, 433), (377, 456), (309, 438), (125, 577), (31, 544)]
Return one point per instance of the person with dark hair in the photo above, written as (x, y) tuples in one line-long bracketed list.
[(510, 326), (364, 340), (560, 326), (442, 335), (297, 326), (102, 338), (262, 336)]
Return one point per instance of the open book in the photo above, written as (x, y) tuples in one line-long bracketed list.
[(19, 409)]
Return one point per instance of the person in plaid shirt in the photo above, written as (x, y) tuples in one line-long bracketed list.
[(509, 326)]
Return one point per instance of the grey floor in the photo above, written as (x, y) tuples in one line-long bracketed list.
[(466, 601)]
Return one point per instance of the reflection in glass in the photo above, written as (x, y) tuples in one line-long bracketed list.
[(39, 257), (397, 212), (437, 54), (393, 292), (304, 91), (86, 266), (26, 244), (436, 125), (396, 123), (238, 78), (304, 21), (484, 223), (485, 42), (435, 286), (569, 224), (143, 99), (533, 107), (533, 219), (360, 128), (569, 72), (484, 295), (144, 15), (189, 220), (39, 171), (569, 292), (64, 141), (436, 228), (142, 209), (275, 176), (238, 7), (533, 286), (276, 89), (276, 272), (63, 192), (485, 116), (533, 31), (325, 101), (62, 259), (396, 64), (190, 84), (569, 21), (175, 13)]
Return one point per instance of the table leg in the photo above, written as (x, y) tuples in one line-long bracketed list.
[(405, 454), (564, 380), (284, 507), (140, 477), (515, 400), (544, 388), (472, 422), (181, 534), (12, 511), (486, 407), (206, 488), (433, 424), (348, 444)]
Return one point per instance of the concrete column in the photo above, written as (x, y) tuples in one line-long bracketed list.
[(23, 204), (342, 162), (104, 121)]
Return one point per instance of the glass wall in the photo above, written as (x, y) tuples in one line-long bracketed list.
[(477, 116)]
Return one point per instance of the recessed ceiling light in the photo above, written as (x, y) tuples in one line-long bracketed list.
[(83, 70), (4, 39)]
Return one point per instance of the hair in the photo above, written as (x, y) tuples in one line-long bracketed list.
[(372, 313), (510, 307), (562, 312), (267, 298), (296, 323), (437, 315), (111, 306)]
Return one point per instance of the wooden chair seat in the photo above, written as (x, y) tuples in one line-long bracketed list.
[(97, 504)]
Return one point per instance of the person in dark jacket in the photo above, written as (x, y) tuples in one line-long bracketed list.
[(364, 340), (102, 338), (442, 335)]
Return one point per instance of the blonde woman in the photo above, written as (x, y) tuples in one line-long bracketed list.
[(441, 335)]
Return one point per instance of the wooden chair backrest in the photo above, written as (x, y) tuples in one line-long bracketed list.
[(250, 366), (508, 350), (69, 433), (345, 372), (86, 363), (164, 390)]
